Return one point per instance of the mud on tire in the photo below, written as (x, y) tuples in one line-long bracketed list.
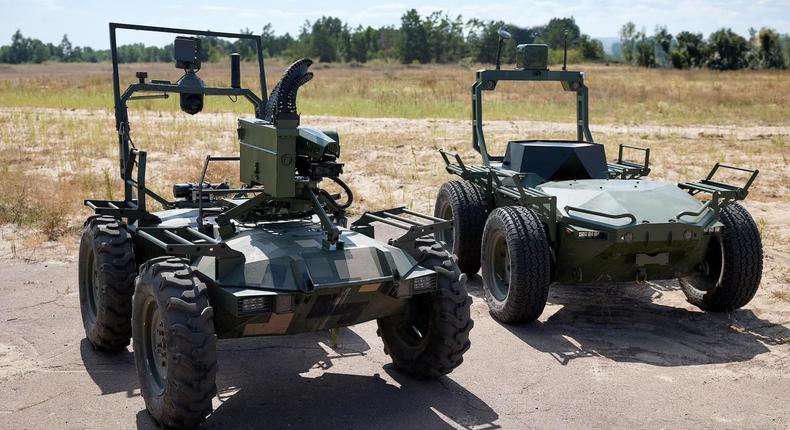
[(730, 275), (106, 282), (465, 204), (516, 262), (174, 343), (429, 339)]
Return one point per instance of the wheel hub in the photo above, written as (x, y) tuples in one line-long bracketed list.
[(155, 346), (416, 322), (446, 236), (499, 274), (704, 268), (160, 347), (92, 289)]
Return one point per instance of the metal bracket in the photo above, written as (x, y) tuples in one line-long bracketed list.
[(628, 169), (121, 209), (722, 194), (332, 241), (187, 241), (415, 226), (461, 169)]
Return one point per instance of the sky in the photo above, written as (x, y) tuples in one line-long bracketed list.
[(85, 21)]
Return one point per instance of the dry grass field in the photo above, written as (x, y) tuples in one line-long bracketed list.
[(618, 94), (58, 145)]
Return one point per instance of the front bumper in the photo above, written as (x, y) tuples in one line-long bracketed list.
[(243, 312), (630, 253)]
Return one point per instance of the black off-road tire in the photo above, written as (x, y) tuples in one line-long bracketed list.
[(168, 291), (516, 262), (430, 338), (106, 282), (465, 203), (731, 274)]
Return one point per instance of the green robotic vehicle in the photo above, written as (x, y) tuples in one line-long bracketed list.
[(271, 256), (549, 211)]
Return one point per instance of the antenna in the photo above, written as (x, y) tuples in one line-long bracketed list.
[(503, 35), (565, 53)]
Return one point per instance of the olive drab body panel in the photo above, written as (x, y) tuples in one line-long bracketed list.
[(268, 156)]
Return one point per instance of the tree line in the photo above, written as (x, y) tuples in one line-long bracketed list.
[(722, 50), (440, 38), (433, 38)]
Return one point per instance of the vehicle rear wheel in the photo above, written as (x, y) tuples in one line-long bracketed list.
[(729, 276), (465, 204), (174, 343), (430, 338), (516, 264), (106, 276)]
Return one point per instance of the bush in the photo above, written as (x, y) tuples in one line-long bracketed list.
[(727, 50), (645, 50), (767, 50), (591, 49), (691, 51)]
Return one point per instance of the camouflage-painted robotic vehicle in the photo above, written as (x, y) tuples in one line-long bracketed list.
[(269, 257), (550, 211)]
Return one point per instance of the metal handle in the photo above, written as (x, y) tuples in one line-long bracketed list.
[(693, 213), (630, 216)]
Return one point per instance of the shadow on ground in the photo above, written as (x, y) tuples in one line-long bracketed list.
[(112, 372), (626, 323), (281, 382)]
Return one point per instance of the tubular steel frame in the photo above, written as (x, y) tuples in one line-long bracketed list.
[(121, 111), (487, 80)]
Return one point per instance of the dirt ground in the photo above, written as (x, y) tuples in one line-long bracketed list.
[(618, 356)]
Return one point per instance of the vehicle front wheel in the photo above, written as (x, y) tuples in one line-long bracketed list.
[(516, 260), (174, 343), (430, 338), (729, 276)]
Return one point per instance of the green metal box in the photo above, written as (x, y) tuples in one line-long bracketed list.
[(267, 156), (532, 56)]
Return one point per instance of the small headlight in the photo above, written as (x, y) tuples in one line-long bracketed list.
[(255, 304), (425, 283)]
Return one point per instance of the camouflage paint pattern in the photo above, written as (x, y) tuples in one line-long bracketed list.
[(305, 286)]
